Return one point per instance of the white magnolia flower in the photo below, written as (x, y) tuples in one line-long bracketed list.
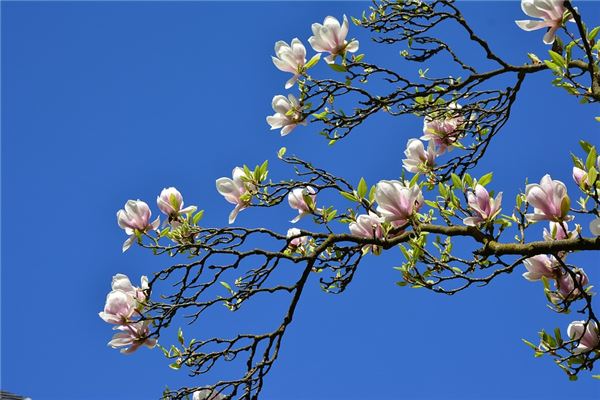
[(330, 37), (550, 13), (288, 114), (290, 58)]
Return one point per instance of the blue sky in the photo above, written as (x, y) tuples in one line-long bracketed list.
[(103, 102)]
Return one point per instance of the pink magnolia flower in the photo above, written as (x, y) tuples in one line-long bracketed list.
[(331, 38), (235, 191), (304, 200), (484, 208), (444, 128), (367, 226), (297, 240), (539, 266), (122, 283), (558, 231), (290, 58), (579, 176), (566, 284), (587, 333), (288, 114), (206, 394), (397, 202), (549, 199), (119, 308), (595, 227), (132, 336), (549, 11), (135, 217), (170, 202), (417, 158)]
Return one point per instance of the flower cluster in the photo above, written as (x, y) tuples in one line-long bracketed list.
[(328, 37), (134, 218), (124, 309)]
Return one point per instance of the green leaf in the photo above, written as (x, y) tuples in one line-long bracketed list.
[(585, 146), (198, 217), (180, 336), (456, 181), (590, 161), (362, 188), (593, 33), (322, 115), (487, 178), (558, 59), (358, 58), (175, 366), (348, 196), (337, 67), (592, 176), (226, 286), (313, 61), (281, 152)]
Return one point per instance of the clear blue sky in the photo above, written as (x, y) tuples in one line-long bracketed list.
[(103, 102)]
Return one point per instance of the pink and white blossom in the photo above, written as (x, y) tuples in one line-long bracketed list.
[(290, 58), (579, 176), (566, 287), (483, 207), (132, 336), (587, 333), (135, 218), (539, 266), (595, 227), (444, 128), (170, 202), (550, 14), (122, 283), (304, 200), (330, 37), (397, 202), (549, 199), (288, 114), (297, 240), (235, 191), (367, 226), (417, 158), (558, 231), (119, 308)]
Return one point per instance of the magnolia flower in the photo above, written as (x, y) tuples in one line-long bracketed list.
[(119, 307), (549, 199), (566, 284), (132, 336), (235, 191), (331, 38), (122, 283), (288, 114), (290, 58), (595, 227), (484, 208), (297, 240), (206, 394), (587, 333), (417, 158), (397, 202), (303, 200), (579, 176), (558, 231), (135, 218), (538, 266), (170, 202), (367, 226), (445, 128), (549, 11)]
